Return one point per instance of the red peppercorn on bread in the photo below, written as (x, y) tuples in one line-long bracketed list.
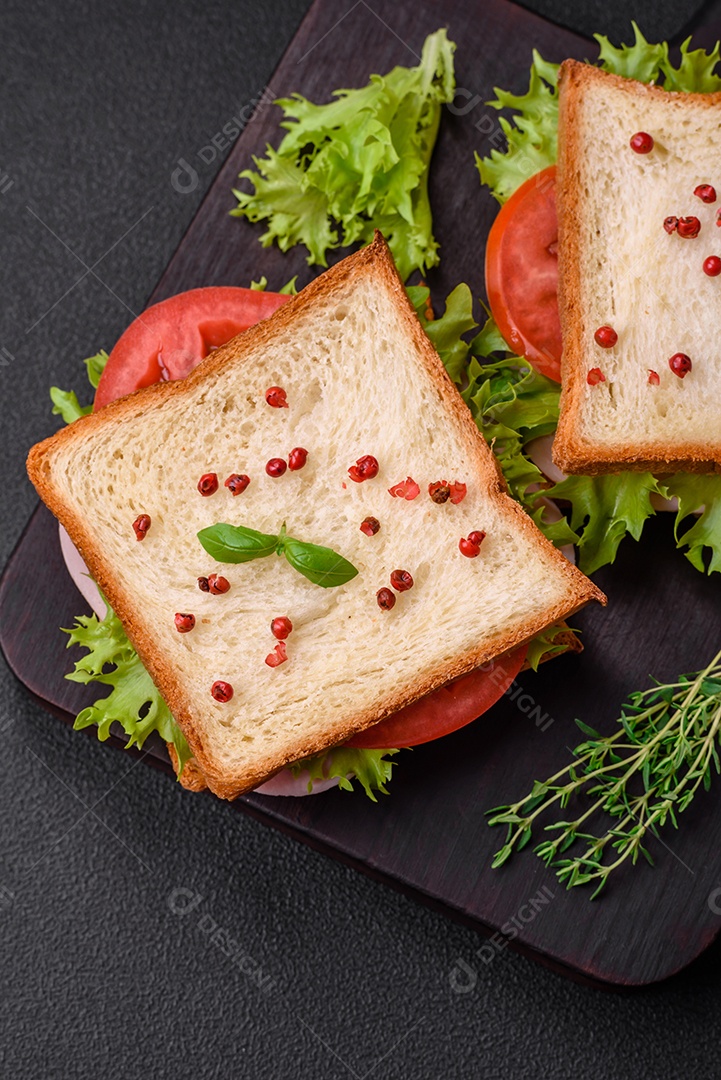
[(362, 381), (638, 173)]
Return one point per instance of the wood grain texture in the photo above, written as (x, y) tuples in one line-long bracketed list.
[(429, 836)]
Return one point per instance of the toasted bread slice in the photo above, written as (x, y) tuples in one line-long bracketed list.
[(361, 378), (191, 776), (618, 267)]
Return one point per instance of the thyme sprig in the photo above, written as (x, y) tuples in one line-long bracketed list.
[(642, 776)]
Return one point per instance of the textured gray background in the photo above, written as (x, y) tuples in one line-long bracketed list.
[(102, 976)]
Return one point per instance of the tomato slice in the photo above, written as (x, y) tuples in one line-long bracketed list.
[(447, 709), (170, 338), (522, 273)]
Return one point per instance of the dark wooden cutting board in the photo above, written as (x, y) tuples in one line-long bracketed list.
[(429, 836)]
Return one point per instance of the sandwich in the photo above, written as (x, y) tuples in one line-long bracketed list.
[(638, 266), (388, 559), (601, 273)]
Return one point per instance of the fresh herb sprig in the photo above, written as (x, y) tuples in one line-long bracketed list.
[(239, 544), (643, 775)]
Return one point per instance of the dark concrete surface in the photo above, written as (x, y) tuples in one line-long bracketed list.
[(121, 897)]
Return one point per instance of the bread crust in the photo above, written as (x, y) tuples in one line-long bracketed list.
[(375, 258), (192, 778), (571, 451)]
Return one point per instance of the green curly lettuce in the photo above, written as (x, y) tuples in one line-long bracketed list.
[(371, 768), (66, 403), (549, 642), (695, 73), (95, 366), (509, 401), (604, 509), (446, 332), (512, 404), (531, 132), (698, 493), (134, 702), (289, 289), (642, 60), (357, 163)]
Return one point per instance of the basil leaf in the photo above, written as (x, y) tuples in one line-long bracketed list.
[(236, 543), (321, 565)]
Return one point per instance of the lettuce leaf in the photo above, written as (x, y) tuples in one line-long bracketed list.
[(548, 643), (531, 134), (289, 289), (695, 492), (446, 331), (509, 401), (357, 163), (65, 402), (604, 509), (512, 405), (95, 366), (640, 61), (532, 129), (370, 768), (695, 73), (134, 701)]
